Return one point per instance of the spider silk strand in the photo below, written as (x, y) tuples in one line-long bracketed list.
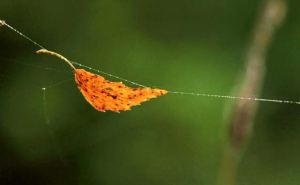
[(282, 101)]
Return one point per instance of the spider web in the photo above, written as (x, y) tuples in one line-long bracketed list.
[(44, 93), (58, 83), (45, 88), (283, 101)]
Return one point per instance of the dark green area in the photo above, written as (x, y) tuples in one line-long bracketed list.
[(193, 46)]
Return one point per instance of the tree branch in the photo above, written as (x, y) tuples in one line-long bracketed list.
[(241, 121)]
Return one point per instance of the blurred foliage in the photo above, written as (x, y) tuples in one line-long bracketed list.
[(193, 46)]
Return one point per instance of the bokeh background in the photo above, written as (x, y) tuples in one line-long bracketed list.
[(192, 46)]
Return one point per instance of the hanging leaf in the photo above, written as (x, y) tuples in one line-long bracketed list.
[(104, 95)]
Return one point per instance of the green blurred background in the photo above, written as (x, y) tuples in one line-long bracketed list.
[(193, 46)]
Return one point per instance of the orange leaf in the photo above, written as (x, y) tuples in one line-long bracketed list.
[(105, 95), (114, 96)]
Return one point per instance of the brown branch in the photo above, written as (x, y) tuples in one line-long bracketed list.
[(243, 112)]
